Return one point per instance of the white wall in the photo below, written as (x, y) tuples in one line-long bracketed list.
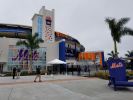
[(4, 47), (52, 51)]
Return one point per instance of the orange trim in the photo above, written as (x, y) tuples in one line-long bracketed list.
[(101, 59), (84, 56), (93, 56)]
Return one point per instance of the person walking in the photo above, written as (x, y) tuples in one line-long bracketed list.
[(18, 72), (79, 70), (38, 74), (14, 72)]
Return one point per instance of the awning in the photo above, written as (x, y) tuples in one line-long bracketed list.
[(56, 61)]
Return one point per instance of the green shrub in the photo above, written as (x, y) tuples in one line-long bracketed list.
[(103, 75), (128, 67), (7, 73), (25, 73), (101, 67), (129, 73)]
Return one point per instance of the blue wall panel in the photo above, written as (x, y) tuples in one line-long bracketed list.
[(62, 51), (102, 58)]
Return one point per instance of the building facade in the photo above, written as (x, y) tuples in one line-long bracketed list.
[(56, 45)]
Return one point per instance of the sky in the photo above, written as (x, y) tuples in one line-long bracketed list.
[(81, 19)]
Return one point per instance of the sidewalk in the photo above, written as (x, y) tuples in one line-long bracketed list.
[(30, 79)]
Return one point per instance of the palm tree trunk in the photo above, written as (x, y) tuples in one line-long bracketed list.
[(115, 48), (30, 65)]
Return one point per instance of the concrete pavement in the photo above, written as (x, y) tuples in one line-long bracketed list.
[(30, 79), (60, 88)]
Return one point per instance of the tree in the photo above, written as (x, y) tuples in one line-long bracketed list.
[(118, 29), (112, 54), (32, 43), (129, 54)]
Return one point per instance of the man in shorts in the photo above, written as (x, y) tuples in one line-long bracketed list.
[(38, 74)]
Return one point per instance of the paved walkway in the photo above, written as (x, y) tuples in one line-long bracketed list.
[(60, 88), (44, 78)]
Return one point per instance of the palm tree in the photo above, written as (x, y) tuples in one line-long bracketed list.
[(112, 54), (129, 54), (118, 29), (32, 43)]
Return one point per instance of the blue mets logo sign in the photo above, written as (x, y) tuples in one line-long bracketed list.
[(116, 65), (23, 54)]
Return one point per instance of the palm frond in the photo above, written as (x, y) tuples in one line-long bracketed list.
[(39, 41), (127, 31), (122, 22), (112, 54), (24, 43), (129, 53), (111, 22), (32, 42), (35, 36)]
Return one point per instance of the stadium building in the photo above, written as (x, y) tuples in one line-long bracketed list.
[(56, 45)]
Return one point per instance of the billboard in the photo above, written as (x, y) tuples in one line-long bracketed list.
[(98, 57)]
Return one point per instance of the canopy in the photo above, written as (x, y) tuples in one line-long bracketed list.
[(56, 61)]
